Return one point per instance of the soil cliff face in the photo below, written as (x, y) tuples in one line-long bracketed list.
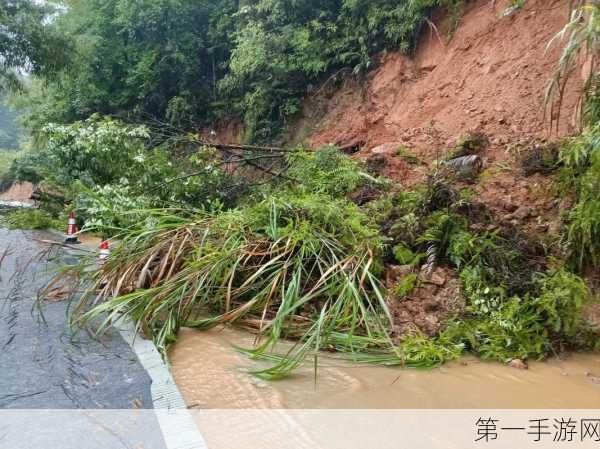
[(490, 76), (18, 192)]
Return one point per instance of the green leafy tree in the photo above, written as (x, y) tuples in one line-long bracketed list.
[(149, 60), (184, 63), (10, 130), (29, 41), (94, 152)]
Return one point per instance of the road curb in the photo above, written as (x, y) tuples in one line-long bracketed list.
[(176, 423)]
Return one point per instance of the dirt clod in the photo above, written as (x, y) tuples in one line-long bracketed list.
[(428, 306), (523, 212), (518, 364), (438, 277), (395, 273)]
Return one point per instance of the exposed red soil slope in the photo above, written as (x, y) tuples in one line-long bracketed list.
[(491, 76), (18, 192)]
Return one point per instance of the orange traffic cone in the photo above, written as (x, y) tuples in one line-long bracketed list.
[(71, 236), (104, 252)]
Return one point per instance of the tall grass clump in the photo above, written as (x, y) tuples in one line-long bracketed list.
[(581, 38), (300, 267), (301, 263), (581, 177)]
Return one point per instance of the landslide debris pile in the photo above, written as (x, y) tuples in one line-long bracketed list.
[(443, 219), (412, 277)]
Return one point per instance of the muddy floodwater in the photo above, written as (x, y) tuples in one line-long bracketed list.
[(212, 374)]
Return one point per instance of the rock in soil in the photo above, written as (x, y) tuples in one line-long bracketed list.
[(438, 277)]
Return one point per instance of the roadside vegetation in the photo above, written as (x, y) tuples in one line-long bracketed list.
[(10, 134), (6, 159), (290, 243), (301, 261), (33, 219)]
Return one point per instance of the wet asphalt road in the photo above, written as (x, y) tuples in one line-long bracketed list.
[(61, 389), (43, 363)]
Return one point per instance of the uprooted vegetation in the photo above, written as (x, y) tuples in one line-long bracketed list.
[(312, 246), (300, 260)]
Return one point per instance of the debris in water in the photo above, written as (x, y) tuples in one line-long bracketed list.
[(518, 364)]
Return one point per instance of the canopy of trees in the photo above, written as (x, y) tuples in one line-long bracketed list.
[(10, 130), (187, 62), (29, 43)]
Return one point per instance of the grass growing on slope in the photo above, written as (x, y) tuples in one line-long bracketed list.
[(516, 306), (581, 176)]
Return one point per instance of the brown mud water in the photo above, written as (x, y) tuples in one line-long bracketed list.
[(211, 374)]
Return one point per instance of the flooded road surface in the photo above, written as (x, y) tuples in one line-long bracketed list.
[(212, 375), (43, 363)]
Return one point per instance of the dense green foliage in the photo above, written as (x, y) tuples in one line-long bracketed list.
[(184, 62), (304, 263), (138, 60), (6, 161), (10, 135), (300, 263), (28, 41), (10, 128), (327, 171), (527, 326), (516, 307), (31, 219), (94, 152), (581, 177), (109, 171), (281, 47)]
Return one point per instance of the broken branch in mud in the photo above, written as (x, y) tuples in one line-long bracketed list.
[(242, 160), (235, 146), (351, 148)]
